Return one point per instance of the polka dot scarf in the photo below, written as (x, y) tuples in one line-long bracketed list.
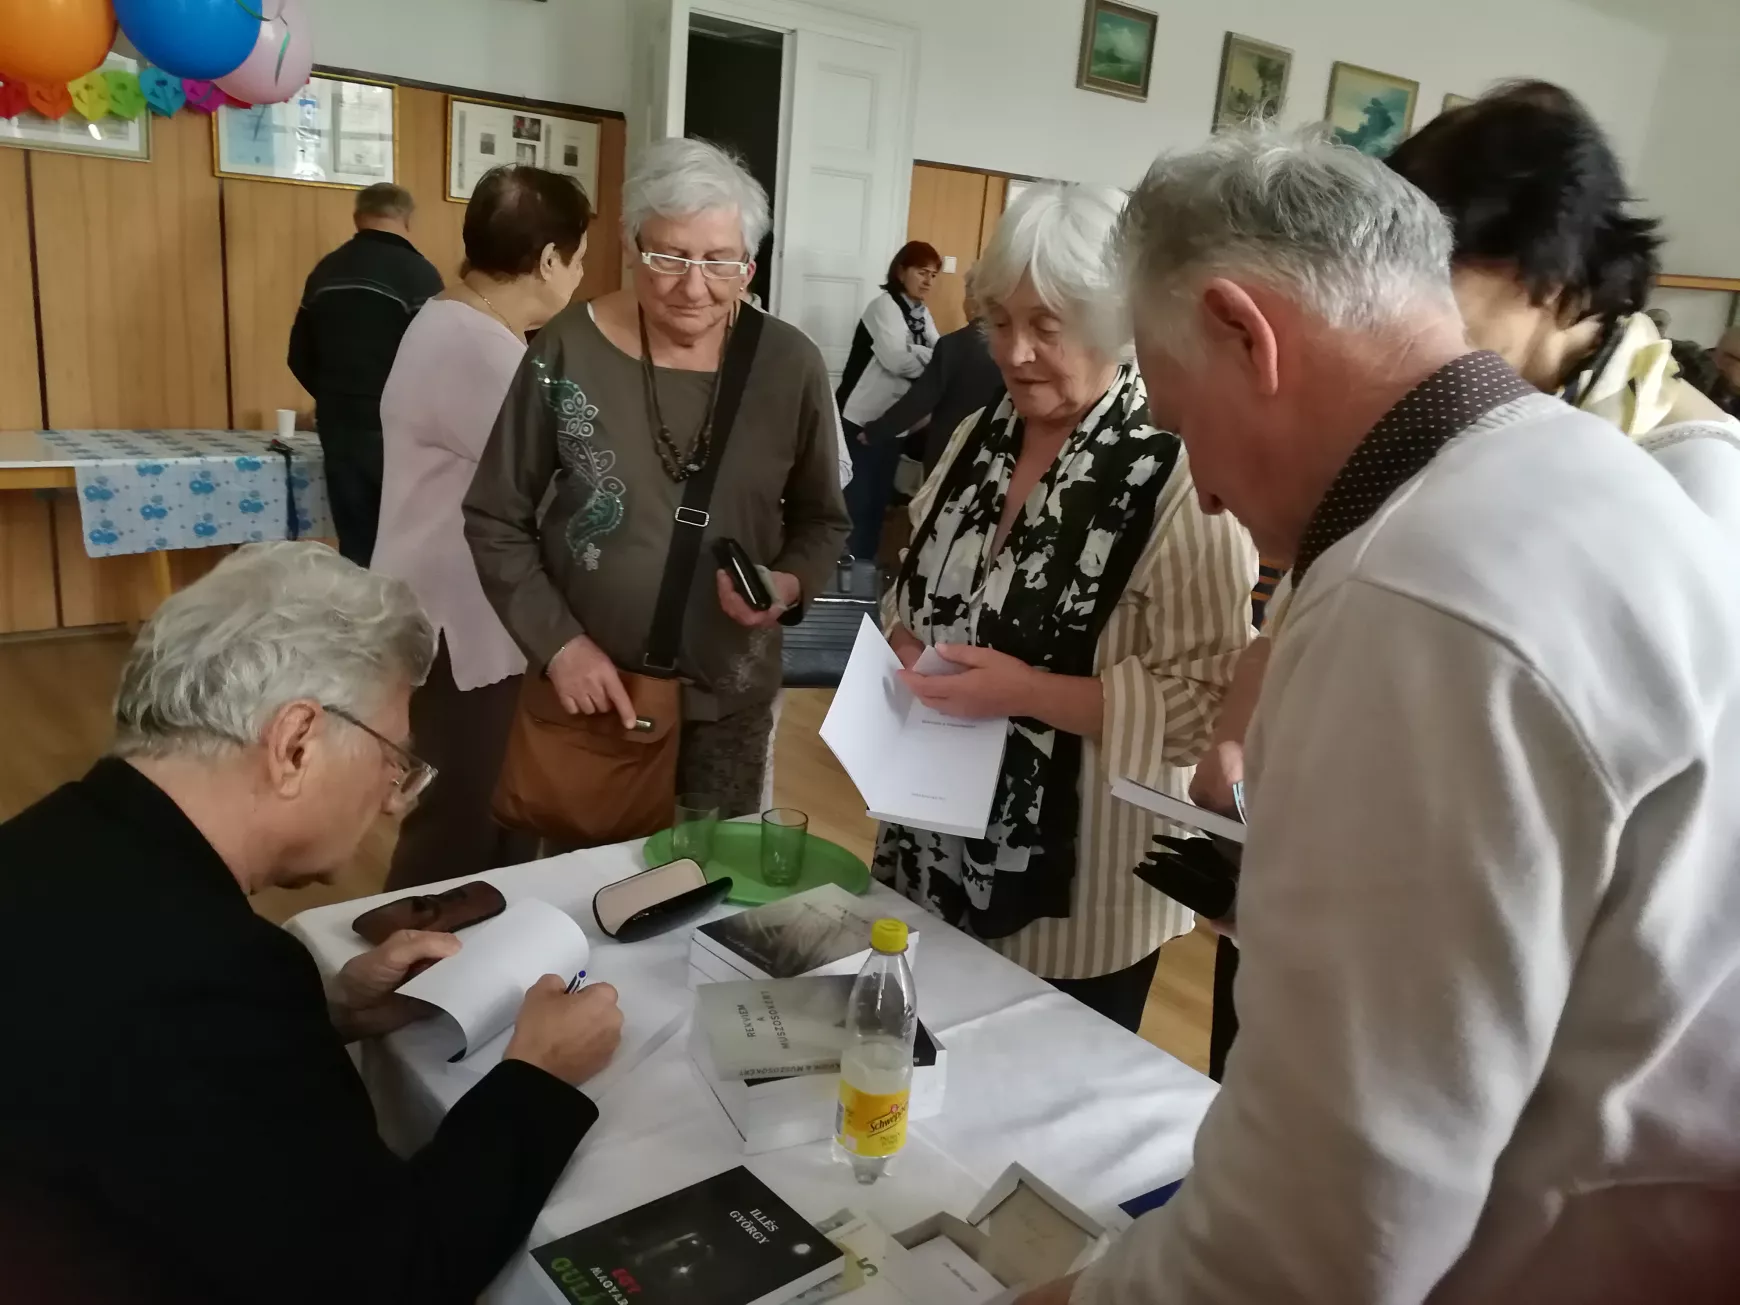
[(1398, 448)]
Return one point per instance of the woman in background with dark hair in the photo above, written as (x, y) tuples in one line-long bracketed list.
[(890, 350), (1553, 272), (525, 237)]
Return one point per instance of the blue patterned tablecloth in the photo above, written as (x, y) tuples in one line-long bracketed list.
[(145, 490)]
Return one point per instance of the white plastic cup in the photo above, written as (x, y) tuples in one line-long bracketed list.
[(286, 423)]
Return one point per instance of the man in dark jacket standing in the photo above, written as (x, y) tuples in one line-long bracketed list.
[(355, 308)]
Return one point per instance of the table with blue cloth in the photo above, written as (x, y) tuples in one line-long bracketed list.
[(154, 491)]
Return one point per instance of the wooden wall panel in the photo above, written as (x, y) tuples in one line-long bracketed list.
[(130, 265), (273, 236), (20, 391), (438, 227), (26, 564), (948, 210), (996, 196), (604, 251)]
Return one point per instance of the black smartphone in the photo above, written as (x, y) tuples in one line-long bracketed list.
[(745, 579)]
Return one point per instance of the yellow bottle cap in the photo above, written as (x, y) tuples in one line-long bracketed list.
[(889, 936)]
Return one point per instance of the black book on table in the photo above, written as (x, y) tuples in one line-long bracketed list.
[(725, 1241)]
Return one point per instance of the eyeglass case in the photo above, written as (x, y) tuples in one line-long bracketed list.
[(656, 900)]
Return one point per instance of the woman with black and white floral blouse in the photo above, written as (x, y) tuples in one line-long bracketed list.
[(1060, 557)]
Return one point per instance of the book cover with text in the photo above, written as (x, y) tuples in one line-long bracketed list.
[(728, 1240)]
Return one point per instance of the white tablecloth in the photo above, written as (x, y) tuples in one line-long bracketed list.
[(1033, 1076)]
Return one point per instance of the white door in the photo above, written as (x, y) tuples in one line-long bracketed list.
[(847, 171)]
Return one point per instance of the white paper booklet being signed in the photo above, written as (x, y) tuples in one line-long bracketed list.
[(912, 765)]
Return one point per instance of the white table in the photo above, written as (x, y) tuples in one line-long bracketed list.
[(1033, 1077)]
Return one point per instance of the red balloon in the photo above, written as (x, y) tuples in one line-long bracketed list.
[(54, 40)]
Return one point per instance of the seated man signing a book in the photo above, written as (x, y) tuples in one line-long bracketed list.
[(179, 1118)]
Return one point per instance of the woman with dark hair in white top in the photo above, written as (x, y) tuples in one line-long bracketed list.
[(525, 237), (890, 350)]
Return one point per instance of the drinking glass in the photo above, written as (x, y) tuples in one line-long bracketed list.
[(785, 832), (692, 835)]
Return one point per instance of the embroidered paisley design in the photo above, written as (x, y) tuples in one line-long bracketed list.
[(602, 511)]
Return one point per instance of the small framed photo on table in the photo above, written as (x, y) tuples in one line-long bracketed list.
[(335, 131), (1117, 49)]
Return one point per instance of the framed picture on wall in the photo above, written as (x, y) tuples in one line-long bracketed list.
[(1370, 110), (1117, 49), (1253, 81), (335, 131), (108, 137), (485, 134)]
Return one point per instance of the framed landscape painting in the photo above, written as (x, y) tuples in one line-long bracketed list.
[(1370, 110), (1253, 82), (1117, 49)]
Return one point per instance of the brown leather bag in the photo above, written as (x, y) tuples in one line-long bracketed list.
[(584, 781)]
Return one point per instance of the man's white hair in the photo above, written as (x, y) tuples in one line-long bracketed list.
[(1056, 235), (678, 178), (1348, 238), (271, 624)]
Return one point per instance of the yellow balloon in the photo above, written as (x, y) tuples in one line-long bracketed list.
[(54, 40)]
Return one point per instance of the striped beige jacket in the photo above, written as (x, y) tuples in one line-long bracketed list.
[(1165, 659)]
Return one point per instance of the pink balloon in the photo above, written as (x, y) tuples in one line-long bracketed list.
[(281, 60)]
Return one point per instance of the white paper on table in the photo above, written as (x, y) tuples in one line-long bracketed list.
[(965, 1278), (480, 989), (911, 765)]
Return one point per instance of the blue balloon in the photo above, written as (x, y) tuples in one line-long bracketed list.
[(199, 39)]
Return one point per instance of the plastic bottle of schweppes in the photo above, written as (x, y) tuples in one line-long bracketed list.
[(876, 1064)]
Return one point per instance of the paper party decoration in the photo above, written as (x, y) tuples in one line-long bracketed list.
[(50, 100), (126, 100), (14, 99), (90, 96), (197, 39), (281, 60), (162, 92), (53, 41), (202, 97)]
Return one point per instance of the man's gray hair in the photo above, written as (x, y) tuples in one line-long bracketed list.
[(1348, 238), (678, 178), (1056, 235), (271, 624)]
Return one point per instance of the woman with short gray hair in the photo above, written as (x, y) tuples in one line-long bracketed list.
[(1059, 557), (613, 414)]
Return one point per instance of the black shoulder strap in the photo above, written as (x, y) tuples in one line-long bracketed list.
[(666, 635)]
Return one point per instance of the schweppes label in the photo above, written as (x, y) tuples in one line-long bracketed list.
[(871, 1125)]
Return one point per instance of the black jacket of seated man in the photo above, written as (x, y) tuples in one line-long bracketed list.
[(356, 306), (175, 1092)]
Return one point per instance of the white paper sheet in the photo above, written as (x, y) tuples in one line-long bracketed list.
[(912, 765), (480, 989)]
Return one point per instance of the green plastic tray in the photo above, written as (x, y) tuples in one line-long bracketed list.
[(737, 852)]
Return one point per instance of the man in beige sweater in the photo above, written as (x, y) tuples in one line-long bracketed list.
[(1489, 916)]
